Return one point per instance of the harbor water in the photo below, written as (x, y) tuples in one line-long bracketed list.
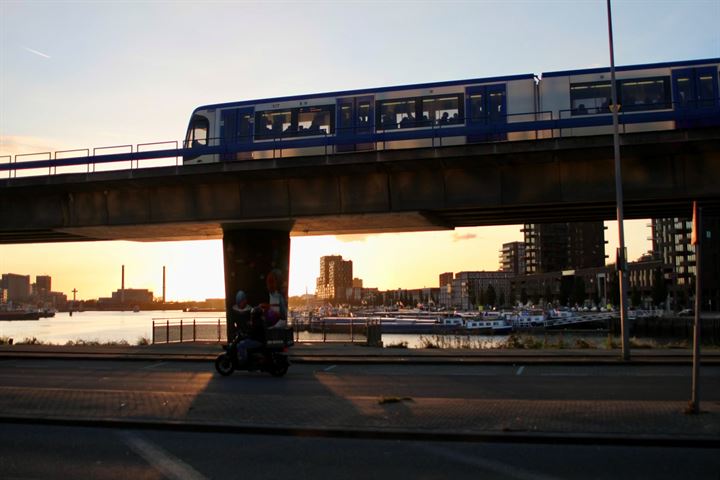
[(134, 327), (93, 326)]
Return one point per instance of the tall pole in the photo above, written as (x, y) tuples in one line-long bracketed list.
[(163, 284), (694, 406), (621, 253)]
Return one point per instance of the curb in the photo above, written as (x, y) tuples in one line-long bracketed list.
[(644, 440)]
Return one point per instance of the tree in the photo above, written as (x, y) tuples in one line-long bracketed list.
[(523, 296), (635, 297), (659, 288), (578, 293), (490, 295), (501, 302)]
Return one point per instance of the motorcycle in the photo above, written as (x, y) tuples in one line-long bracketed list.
[(271, 357)]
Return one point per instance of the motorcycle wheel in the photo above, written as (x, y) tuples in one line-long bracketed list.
[(224, 365)]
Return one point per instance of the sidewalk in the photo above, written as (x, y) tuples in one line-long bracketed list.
[(642, 422)]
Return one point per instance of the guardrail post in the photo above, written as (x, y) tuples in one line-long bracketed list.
[(352, 338), (194, 335), (181, 331), (167, 331), (219, 337), (153, 332), (324, 333)]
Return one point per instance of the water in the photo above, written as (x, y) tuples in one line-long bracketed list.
[(107, 327), (93, 326)]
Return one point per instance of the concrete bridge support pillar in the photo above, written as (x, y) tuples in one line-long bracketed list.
[(256, 265)]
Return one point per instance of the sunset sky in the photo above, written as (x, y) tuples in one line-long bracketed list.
[(91, 74)]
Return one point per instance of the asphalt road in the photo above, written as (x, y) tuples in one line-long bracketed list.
[(531, 382), (40, 451), (36, 450)]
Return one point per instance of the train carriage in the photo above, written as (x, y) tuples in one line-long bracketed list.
[(521, 107)]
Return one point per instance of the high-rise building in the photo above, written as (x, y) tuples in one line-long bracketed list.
[(336, 277), (512, 258), (43, 284), (17, 286), (446, 279), (672, 245), (553, 247)]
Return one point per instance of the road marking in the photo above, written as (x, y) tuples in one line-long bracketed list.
[(154, 365), (520, 370), (167, 464), (329, 368), (507, 471)]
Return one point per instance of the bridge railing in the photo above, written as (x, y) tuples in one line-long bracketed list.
[(187, 330), (518, 126)]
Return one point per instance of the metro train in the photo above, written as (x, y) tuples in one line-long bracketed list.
[(661, 96)]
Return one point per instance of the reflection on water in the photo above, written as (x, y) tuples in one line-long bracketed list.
[(92, 326)]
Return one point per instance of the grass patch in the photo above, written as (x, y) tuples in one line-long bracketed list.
[(524, 342), (397, 345), (454, 342), (142, 341)]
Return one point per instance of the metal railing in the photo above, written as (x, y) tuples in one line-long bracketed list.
[(181, 330), (487, 129), (186, 330)]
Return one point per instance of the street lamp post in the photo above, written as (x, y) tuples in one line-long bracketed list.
[(621, 262)]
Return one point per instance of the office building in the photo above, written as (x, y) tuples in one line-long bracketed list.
[(335, 280)]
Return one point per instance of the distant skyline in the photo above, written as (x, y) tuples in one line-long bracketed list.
[(84, 74)]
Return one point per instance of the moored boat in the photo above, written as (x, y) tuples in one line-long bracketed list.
[(19, 315)]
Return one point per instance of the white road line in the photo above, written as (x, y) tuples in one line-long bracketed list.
[(154, 365), (520, 370), (507, 471), (167, 464), (329, 368)]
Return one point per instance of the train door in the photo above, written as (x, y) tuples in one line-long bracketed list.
[(236, 133), (354, 117), (486, 106), (695, 90)]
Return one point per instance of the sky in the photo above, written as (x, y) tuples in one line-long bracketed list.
[(90, 74)]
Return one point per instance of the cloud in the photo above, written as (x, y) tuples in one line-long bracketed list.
[(40, 54), (18, 144), (457, 237)]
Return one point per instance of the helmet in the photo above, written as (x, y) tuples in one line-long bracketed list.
[(239, 297)]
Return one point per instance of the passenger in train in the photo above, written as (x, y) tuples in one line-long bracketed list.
[(455, 118), (444, 119), (407, 121), (388, 121), (316, 124)]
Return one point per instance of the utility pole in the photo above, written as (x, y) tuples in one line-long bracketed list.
[(621, 262), (694, 406), (74, 292)]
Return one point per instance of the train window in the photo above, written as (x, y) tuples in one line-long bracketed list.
[(295, 122), (345, 117), (276, 123), (706, 93), (644, 94), (477, 106), (314, 120), (397, 114), (441, 110), (588, 98), (363, 114), (198, 131), (496, 104)]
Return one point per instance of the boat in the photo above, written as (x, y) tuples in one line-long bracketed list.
[(482, 326), (527, 318), (19, 315)]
